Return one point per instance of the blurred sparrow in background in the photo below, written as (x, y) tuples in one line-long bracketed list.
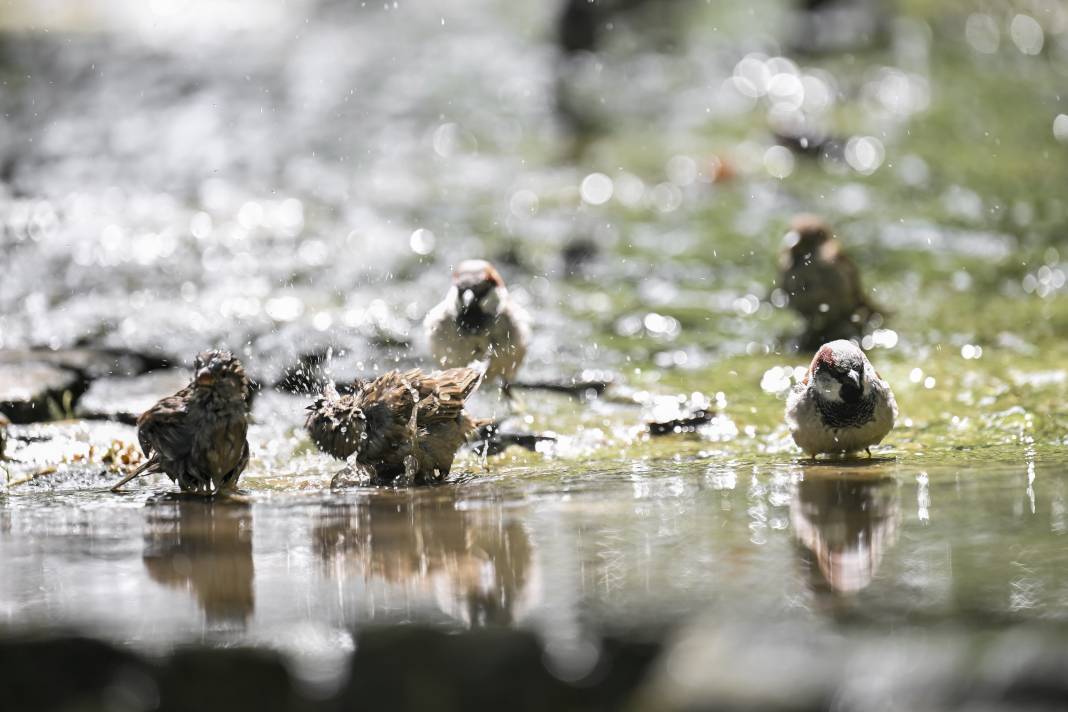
[(821, 283), (197, 437), (400, 425), (842, 405), (477, 321)]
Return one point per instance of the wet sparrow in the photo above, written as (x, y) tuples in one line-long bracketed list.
[(478, 321), (197, 436), (821, 282), (4, 423), (842, 405), (406, 424)]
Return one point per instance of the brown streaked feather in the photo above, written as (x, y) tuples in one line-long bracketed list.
[(162, 428), (375, 424), (198, 436), (444, 393)]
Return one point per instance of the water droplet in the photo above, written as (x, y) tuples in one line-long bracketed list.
[(1027, 34), (779, 162), (982, 34), (596, 189), (864, 154), (422, 241)]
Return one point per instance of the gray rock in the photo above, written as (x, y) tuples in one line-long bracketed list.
[(31, 392), (71, 456), (89, 362), (125, 399)]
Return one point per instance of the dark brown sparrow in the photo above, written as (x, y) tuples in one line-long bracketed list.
[(478, 321), (842, 405), (4, 423), (822, 283), (401, 424), (197, 437)]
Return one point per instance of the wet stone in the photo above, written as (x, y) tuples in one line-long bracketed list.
[(97, 676), (67, 456), (125, 399), (89, 362), (33, 391)]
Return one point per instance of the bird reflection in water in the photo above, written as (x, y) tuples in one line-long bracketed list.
[(206, 547), (473, 563), (844, 525)]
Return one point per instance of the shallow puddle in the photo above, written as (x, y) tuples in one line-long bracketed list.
[(642, 546)]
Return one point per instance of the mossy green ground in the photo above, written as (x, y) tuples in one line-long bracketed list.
[(987, 130)]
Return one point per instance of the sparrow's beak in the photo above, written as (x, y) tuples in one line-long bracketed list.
[(854, 377), (467, 297), (205, 377)]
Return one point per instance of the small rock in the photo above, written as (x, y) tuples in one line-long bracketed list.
[(202, 678), (305, 377), (89, 362), (490, 440), (100, 676), (687, 424), (68, 455), (33, 391), (125, 399)]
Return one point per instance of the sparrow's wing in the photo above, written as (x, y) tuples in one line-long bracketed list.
[(443, 394), (163, 430)]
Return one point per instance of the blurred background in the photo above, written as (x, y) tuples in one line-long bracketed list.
[(295, 181)]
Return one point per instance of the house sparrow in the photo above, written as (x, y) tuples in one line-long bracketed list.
[(842, 405), (406, 424), (4, 423), (821, 282), (197, 436), (477, 321)]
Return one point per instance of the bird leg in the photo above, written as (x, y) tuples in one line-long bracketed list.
[(134, 475)]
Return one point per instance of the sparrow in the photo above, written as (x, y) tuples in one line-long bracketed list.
[(841, 405), (821, 282), (405, 425), (478, 321), (197, 437), (4, 423)]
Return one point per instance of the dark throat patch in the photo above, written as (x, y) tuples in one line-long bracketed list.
[(846, 415)]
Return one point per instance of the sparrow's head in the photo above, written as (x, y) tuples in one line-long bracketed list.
[(337, 425), (479, 292), (840, 372), (221, 371), (807, 234)]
